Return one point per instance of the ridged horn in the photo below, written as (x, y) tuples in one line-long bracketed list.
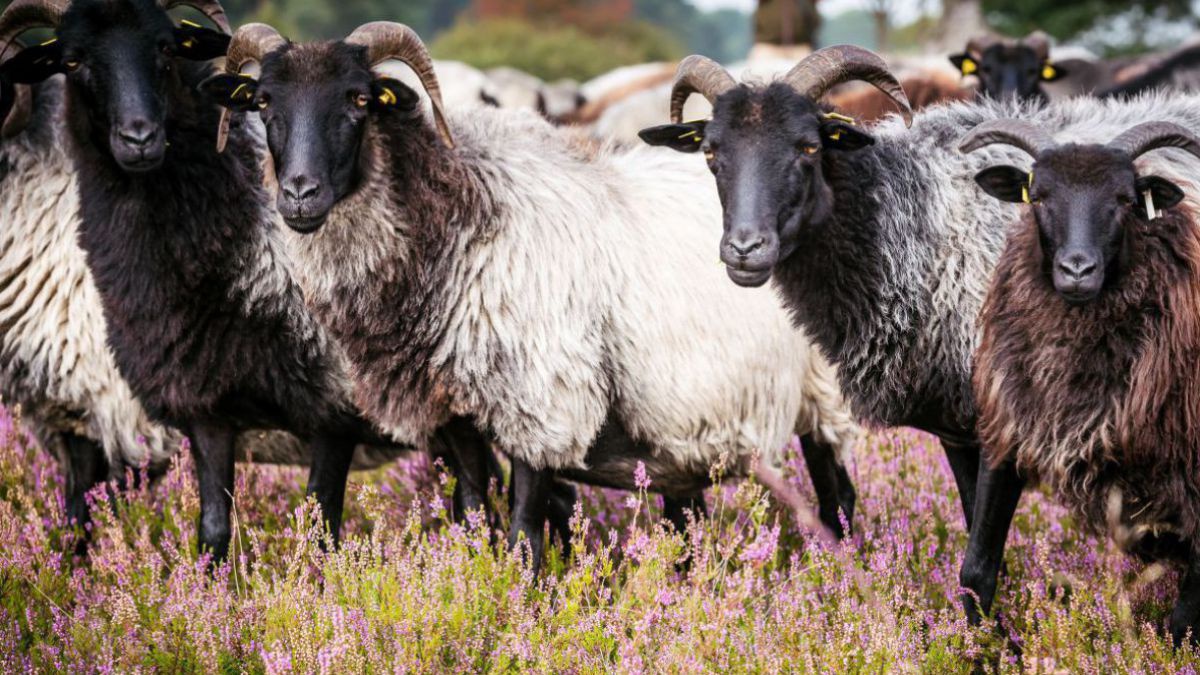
[(249, 45), (826, 68), (210, 8), (1149, 136), (389, 40), (698, 75), (22, 15), (1039, 42), (1017, 133)]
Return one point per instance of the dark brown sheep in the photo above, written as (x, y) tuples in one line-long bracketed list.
[(1085, 375)]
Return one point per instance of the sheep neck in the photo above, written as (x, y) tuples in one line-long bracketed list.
[(1099, 396), (379, 273), (200, 308)]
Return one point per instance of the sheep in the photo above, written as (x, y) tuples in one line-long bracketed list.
[(54, 361), (203, 319), (1180, 72), (503, 274), (1007, 67), (878, 246), (1084, 373)]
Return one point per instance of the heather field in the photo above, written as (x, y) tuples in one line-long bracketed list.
[(411, 591)]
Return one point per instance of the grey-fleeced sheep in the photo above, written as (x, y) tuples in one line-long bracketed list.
[(881, 243), (560, 297)]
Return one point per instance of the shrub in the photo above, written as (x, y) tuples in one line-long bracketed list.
[(554, 51)]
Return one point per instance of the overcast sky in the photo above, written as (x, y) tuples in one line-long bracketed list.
[(906, 10)]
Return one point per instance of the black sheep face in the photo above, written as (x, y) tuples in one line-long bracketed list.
[(316, 101), (119, 57), (765, 148), (1008, 71), (1083, 197)]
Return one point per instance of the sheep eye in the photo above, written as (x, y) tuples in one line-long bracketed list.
[(710, 155), (72, 65), (263, 103), (809, 149), (361, 100)]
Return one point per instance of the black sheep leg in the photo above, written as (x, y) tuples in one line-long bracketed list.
[(212, 448), (87, 467), (831, 481), (563, 496), (675, 509), (531, 496), (469, 456), (999, 493), (964, 465), (1185, 618), (331, 458)]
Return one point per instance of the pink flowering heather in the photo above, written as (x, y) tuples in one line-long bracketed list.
[(412, 591)]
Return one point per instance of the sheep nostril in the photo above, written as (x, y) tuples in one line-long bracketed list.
[(1077, 268), (301, 188), (745, 248)]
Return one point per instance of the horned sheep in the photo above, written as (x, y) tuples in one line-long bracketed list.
[(545, 291)]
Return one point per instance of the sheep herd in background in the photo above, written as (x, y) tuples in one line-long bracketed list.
[(309, 254)]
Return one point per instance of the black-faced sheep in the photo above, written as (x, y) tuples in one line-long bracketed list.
[(507, 275)]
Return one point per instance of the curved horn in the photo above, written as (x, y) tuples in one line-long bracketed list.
[(22, 15), (249, 44), (388, 40), (977, 45), (1017, 133), (19, 114), (1149, 136), (698, 75), (1039, 42), (210, 8), (826, 68)]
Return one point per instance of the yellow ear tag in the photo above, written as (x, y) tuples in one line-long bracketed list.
[(969, 66), (1048, 72), (836, 136), (237, 91), (388, 97), (49, 42), (1025, 189), (840, 118), (690, 133), (190, 23), (189, 43), (1151, 213)]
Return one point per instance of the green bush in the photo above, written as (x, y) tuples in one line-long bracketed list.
[(554, 51)]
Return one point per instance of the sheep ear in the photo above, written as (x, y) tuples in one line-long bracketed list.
[(1163, 193), (1006, 183), (685, 137), (197, 43), (840, 135), (1052, 72), (236, 92), (34, 64), (965, 64), (389, 94)]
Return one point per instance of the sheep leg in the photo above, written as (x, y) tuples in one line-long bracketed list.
[(332, 455), (964, 465), (563, 496), (469, 455), (831, 482), (531, 497), (999, 493), (784, 492), (212, 448), (675, 509), (87, 467), (1185, 617)]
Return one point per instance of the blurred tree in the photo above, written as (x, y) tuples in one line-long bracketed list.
[(786, 22), (1065, 20), (553, 51), (724, 35)]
